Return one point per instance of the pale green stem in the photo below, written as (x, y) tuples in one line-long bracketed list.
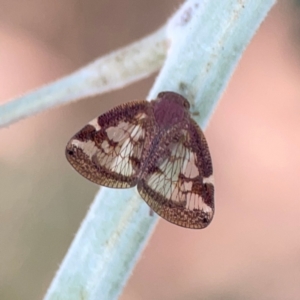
[(207, 38), (112, 71)]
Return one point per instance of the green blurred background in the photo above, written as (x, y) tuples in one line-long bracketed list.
[(252, 248)]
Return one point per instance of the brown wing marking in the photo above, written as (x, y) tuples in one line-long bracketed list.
[(178, 185), (108, 150)]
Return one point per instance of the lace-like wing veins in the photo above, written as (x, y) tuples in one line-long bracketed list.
[(155, 146), (108, 150), (178, 182)]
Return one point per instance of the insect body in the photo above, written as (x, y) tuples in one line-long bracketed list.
[(155, 146)]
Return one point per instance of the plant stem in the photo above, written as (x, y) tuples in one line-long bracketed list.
[(207, 39), (112, 71)]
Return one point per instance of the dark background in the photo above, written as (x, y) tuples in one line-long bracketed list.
[(252, 248)]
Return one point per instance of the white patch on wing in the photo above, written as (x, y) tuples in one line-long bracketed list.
[(209, 179), (187, 185), (88, 147), (189, 168), (141, 116), (95, 124), (196, 202), (122, 163), (106, 147), (119, 132), (136, 133)]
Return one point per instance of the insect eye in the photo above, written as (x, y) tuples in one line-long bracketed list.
[(70, 152), (186, 104), (161, 94)]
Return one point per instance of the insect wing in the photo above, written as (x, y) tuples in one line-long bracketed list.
[(178, 184), (108, 150)]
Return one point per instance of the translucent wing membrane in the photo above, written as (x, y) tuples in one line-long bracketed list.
[(108, 150), (178, 185)]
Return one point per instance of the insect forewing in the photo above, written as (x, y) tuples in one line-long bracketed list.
[(178, 182), (108, 150)]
